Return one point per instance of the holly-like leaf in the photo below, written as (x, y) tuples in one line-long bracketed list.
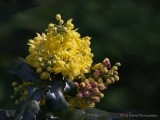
[(23, 71), (29, 108), (70, 88), (3, 114), (55, 99)]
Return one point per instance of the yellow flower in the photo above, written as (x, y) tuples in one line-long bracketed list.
[(60, 50)]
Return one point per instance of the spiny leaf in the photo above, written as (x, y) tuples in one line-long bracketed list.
[(55, 99), (70, 88), (23, 71), (30, 107)]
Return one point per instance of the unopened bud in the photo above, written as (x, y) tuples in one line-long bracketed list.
[(82, 84), (51, 25), (101, 95), (109, 81), (49, 69), (115, 68), (39, 59), (42, 64), (94, 84), (101, 86), (104, 70), (49, 63), (31, 41), (14, 83), (116, 77), (79, 95), (118, 64), (96, 99), (61, 22), (87, 93), (39, 70), (96, 91), (58, 17)]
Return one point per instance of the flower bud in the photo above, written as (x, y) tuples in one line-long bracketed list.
[(101, 95), (58, 17), (86, 81), (104, 70), (115, 72), (31, 41), (76, 83), (82, 84), (118, 64), (43, 64), (39, 70), (116, 77), (65, 29), (88, 86), (91, 79), (105, 60), (112, 79), (106, 63), (96, 99), (45, 75), (49, 69), (79, 95), (61, 22), (109, 81), (14, 83), (94, 84), (49, 63), (39, 59), (53, 61), (96, 91), (51, 25), (86, 93), (114, 68), (110, 72), (100, 80), (101, 86), (96, 73)]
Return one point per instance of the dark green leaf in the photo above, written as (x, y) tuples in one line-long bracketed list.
[(55, 99), (23, 71), (29, 109)]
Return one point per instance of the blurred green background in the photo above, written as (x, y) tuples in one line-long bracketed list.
[(127, 31)]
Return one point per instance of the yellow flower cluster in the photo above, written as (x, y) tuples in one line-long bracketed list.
[(60, 50)]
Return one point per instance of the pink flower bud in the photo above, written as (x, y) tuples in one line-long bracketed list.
[(96, 91), (76, 83), (87, 94), (96, 73), (107, 64), (88, 86), (79, 95), (94, 84)]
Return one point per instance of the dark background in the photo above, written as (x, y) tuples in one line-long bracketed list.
[(127, 31)]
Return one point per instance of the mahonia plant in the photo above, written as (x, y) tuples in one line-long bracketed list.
[(61, 54)]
